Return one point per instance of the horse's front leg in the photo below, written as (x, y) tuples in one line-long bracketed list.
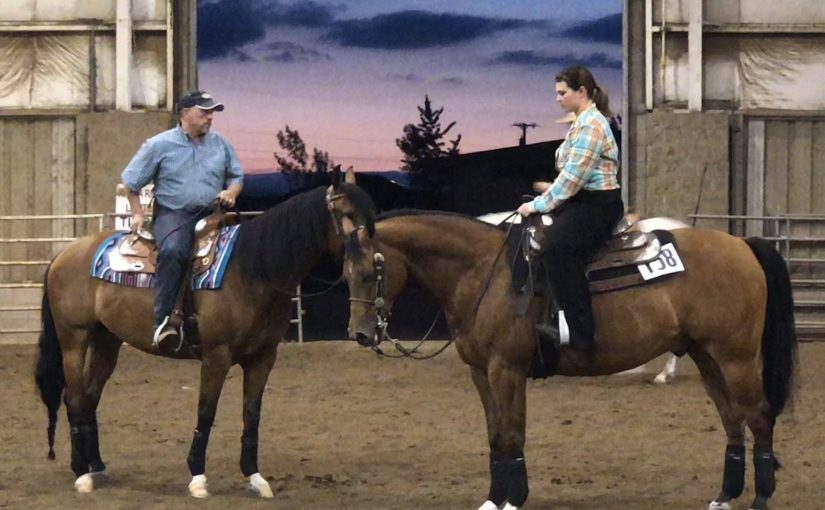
[(215, 363), (256, 372), (503, 393)]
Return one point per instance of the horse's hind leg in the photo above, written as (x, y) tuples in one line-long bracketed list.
[(103, 355), (745, 385), (733, 481), (256, 372), (84, 385)]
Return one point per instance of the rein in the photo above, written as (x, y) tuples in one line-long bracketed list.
[(382, 313)]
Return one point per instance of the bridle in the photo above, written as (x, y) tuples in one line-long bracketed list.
[(382, 314)]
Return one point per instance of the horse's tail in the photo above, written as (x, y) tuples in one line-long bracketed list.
[(779, 343), (48, 373)]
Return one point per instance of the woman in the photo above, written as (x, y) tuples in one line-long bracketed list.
[(586, 203)]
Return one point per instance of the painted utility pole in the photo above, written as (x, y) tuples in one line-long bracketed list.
[(523, 126)]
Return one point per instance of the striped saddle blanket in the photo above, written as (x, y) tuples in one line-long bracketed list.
[(106, 266)]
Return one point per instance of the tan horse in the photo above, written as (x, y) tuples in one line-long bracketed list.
[(731, 310), (85, 321)]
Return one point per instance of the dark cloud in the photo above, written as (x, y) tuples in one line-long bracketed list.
[(302, 14), (533, 59), (452, 80), (225, 25), (418, 29), (241, 56), (410, 77), (607, 29), (287, 52)]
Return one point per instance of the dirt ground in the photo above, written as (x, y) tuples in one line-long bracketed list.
[(342, 429)]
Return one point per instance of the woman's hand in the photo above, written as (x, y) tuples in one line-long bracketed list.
[(541, 186), (526, 209)]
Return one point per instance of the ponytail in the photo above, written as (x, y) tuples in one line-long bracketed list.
[(602, 101), (579, 76)]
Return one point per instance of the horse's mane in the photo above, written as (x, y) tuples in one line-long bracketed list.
[(270, 245)]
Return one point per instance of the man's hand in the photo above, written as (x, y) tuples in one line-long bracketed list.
[(526, 209), (137, 221), (227, 198)]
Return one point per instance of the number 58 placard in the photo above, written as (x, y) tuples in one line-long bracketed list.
[(668, 262)]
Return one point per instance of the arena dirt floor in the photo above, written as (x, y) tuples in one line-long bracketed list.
[(342, 429)]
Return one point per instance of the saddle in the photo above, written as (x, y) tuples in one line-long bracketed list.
[(614, 266), (624, 248), (137, 252)]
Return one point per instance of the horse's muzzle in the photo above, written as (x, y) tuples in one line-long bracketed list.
[(363, 340)]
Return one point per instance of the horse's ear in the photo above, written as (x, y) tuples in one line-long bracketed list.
[(350, 175), (336, 176)]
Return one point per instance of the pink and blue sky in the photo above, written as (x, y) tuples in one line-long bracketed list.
[(349, 74)]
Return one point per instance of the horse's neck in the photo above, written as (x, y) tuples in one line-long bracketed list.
[(452, 266)]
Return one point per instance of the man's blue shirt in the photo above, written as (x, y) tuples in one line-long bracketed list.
[(187, 175)]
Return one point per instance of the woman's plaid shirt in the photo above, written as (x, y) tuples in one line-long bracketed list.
[(587, 159)]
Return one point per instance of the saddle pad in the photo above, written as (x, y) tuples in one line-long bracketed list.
[(212, 278), (606, 280)]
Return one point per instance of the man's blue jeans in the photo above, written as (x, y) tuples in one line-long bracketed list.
[(174, 232)]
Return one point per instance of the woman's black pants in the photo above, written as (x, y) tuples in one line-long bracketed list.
[(582, 224)]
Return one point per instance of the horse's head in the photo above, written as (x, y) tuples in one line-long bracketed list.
[(353, 216)]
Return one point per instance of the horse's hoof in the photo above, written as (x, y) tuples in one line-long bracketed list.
[(100, 476), (662, 378), (260, 486), (197, 487), (84, 484), (489, 505), (719, 505), (760, 503)]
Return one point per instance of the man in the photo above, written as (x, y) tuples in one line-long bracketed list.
[(191, 166)]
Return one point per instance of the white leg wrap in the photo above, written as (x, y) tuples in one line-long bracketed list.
[(260, 486), (489, 505), (197, 487), (84, 484), (719, 506), (508, 506), (668, 373)]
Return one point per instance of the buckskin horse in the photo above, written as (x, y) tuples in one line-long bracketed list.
[(86, 320), (731, 310)]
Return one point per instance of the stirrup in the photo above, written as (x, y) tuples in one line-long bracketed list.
[(164, 331)]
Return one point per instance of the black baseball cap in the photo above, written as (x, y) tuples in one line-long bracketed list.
[(199, 99)]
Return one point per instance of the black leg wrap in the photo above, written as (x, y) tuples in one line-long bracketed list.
[(79, 464), (92, 445), (197, 453), (498, 479), (733, 481), (517, 489), (765, 465), (508, 480), (249, 454)]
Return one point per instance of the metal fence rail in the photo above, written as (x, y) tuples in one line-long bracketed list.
[(104, 220), (800, 239)]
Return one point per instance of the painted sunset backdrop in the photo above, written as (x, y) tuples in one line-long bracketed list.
[(349, 74)]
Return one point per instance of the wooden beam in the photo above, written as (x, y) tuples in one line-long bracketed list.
[(649, 55), (755, 201), (695, 56), (170, 57), (123, 55)]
